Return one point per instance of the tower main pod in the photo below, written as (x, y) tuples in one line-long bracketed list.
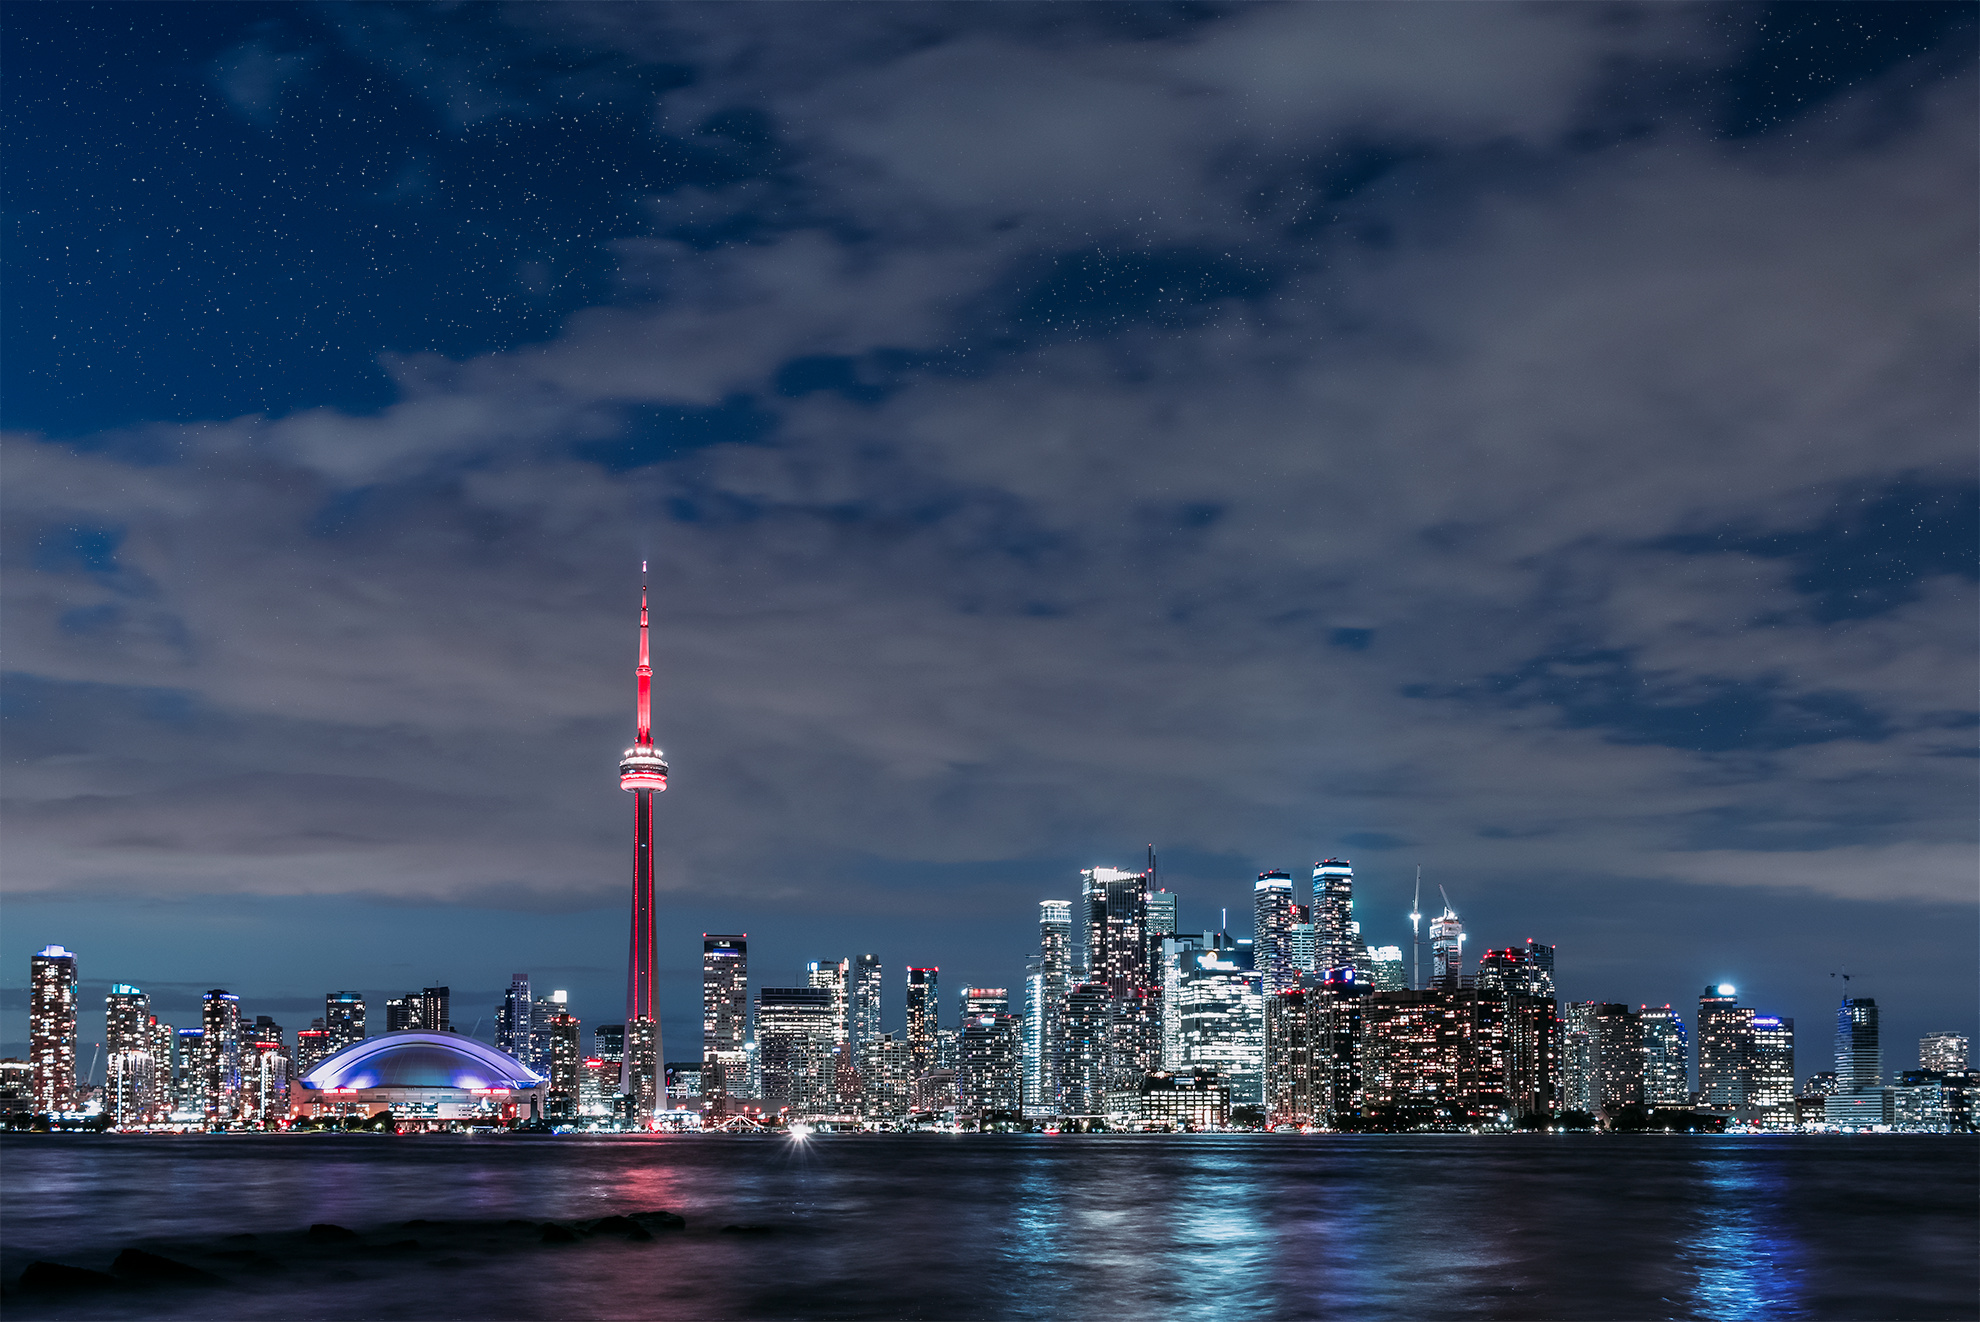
[(642, 770)]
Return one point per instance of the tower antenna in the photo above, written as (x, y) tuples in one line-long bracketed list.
[(1416, 935), (643, 772)]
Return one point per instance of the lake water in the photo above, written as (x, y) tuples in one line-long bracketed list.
[(965, 1226)]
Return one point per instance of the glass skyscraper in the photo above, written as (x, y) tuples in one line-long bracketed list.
[(1666, 1058), (924, 1015), (512, 1026), (1221, 1013), (52, 1028), (1859, 1055), (1333, 914), (1047, 982), (724, 1014), (1725, 1048), (1272, 920)]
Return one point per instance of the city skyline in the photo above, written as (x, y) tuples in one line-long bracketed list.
[(1273, 432)]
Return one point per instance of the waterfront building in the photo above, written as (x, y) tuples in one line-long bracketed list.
[(642, 773), (1333, 914), (562, 1096), (1416, 1047), (343, 1018), (189, 1095), (1115, 904), (1221, 1017), (988, 1082), (1169, 1101), (1272, 920), (538, 1045), (1619, 1057), (425, 1080), (164, 1044), (835, 978), (512, 1021), (1337, 1005), (1516, 1027), (935, 1092), (265, 1070), (924, 1015), (1045, 1033), (1085, 1068), (1581, 1076), (16, 1087), (52, 1028), (313, 1044), (598, 1086), (1666, 1057), (725, 1014), (1946, 1053), (1773, 1069), (1288, 1059), (798, 1037), (864, 1013), (886, 1075), (1859, 1054), (1725, 1048), (220, 1065), (130, 1081)]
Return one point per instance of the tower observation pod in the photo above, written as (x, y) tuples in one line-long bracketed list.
[(642, 771)]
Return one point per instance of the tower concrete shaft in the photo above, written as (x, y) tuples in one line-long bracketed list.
[(643, 772)]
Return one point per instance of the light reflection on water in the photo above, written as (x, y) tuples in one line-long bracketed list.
[(941, 1226)]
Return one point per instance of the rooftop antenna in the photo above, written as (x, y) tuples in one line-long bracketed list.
[(1844, 975), (1415, 934)]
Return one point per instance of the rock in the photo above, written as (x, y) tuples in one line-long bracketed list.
[(60, 1278), (556, 1234), (660, 1220), (137, 1265), (325, 1233)]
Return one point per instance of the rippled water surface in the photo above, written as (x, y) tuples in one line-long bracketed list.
[(932, 1226)]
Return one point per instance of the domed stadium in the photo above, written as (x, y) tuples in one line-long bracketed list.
[(426, 1080)]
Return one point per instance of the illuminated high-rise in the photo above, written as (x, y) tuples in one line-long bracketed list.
[(130, 1091), (1619, 1057), (1446, 949), (52, 1028), (1222, 1018), (834, 976), (863, 1013), (1581, 1058), (220, 1064), (797, 1034), (988, 1080), (1773, 1066), (512, 1021), (1272, 921), (1333, 914), (343, 1018), (1859, 1054), (924, 1015), (1047, 983), (1725, 1047), (564, 1096), (725, 1014), (1943, 1053), (265, 1072), (643, 773), (1666, 1057)]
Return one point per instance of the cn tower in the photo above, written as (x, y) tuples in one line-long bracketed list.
[(642, 770)]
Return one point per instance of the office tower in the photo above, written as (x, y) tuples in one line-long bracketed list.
[(1581, 1074), (16, 1088), (923, 1018), (1161, 920), (598, 1086), (189, 1096), (1416, 1048), (835, 978), (512, 1020), (566, 1064), (885, 1077), (52, 1028), (724, 1014), (542, 1009), (1446, 949), (1619, 1057), (164, 1047), (1859, 1057), (264, 1073), (863, 1013), (1944, 1053), (797, 1035), (1116, 914), (1540, 963), (1272, 919), (1303, 940), (434, 1010), (129, 1077), (1336, 1008), (1288, 1059), (1221, 1013), (343, 1018), (1666, 1058), (608, 1043), (1725, 1048), (220, 1072), (1386, 970), (1087, 1025), (643, 773), (987, 1075), (1044, 1047), (313, 1046), (401, 1014), (1333, 914), (1517, 1045), (1773, 1066)]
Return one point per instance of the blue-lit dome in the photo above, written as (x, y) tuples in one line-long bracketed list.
[(421, 1060)]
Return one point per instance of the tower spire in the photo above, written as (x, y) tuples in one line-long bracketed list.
[(645, 668), (643, 771)]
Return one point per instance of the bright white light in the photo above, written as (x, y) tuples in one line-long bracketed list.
[(800, 1131), (1727, 989)]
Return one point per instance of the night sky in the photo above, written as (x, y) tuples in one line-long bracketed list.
[(1532, 442)]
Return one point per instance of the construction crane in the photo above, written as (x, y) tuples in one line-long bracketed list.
[(1416, 935)]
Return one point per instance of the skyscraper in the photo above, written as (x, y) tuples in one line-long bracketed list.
[(1859, 1056), (834, 976), (436, 1009), (1333, 914), (1446, 949), (724, 1014), (343, 1018), (987, 1075), (923, 1019), (220, 1072), (265, 1072), (52, 1028), (512, 1026), (865, 1016), (1045, 1036), (1619, 1057), (566, 1064), (1725, 1047), (130, 1075), (1272, 920), (1773, 1067), (1581, 1058), (1303, 939), (797, 1034), (1540, 959), (1666, 1058), (1222, 1018), (643, 773)]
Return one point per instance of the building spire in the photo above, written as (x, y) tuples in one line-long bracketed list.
[(645, 668)]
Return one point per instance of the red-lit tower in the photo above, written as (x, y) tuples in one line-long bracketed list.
[(642, 770)]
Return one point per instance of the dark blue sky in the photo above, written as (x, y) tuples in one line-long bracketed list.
[(1535, 442)]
